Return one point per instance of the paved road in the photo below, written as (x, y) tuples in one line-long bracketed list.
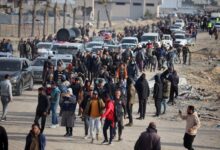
[(21, 116)]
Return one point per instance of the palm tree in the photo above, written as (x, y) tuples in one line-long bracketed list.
[(33, 17), (20, 3), (46, 17), (105, 3)]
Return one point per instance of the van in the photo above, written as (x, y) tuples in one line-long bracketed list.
[(150, 37)]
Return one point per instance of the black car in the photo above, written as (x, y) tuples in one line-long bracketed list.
[(20, 72)]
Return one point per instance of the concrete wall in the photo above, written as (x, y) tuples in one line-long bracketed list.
[(152, 6)]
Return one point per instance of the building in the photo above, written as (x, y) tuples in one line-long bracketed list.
[(132, 9)]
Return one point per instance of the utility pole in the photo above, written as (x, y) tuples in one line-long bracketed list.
[(64, 13)]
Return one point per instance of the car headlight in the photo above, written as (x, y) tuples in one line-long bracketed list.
[(14, 79)]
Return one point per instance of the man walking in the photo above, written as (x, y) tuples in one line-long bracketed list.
[(6, 95), (149, 140), (192, 125), (143, 92), (158, 94), (42, 108)]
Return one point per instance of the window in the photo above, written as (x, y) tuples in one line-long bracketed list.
[(150, 4), (137, 4), (120, 3)]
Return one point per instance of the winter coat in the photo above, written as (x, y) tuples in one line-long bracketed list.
[(142, 89), (101, 106), (3, 139), (109, 113), (55, 95), (158, 88), (119, 110), (148, 140), (132, 71), (131, 94), (43, 104), (42, 141), (166, 89), (68, 107)]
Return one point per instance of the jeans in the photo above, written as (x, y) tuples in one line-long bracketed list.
[(43, 120), (5, 100), (94, 124), (108, 124), (163, 105), (188, 140), (86, 125), (120, 127), (53, 108)]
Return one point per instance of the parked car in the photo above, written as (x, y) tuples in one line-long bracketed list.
[(5, 54), (20, 72)]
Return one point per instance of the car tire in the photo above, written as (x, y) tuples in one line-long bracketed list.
[(19, 89), (31, 86)]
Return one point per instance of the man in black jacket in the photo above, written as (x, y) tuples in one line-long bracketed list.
[(149, 140), (42, 108), (143, 92), (3, 139), (158, 94)]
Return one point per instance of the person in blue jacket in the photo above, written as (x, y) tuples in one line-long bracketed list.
[(35, 139)]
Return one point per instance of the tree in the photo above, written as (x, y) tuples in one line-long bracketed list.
[(20, 3), (55, 17), (46, 17), (33, 17), (105, 3)]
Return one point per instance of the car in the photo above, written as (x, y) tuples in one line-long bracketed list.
[(174, 28), (5, 54), (180, 21), (90, 45), (64, 48), (43, 48), (20, 72), (167, 40), (179, 39), (129, 42), (190, 40), (152, 37), (217, 25)]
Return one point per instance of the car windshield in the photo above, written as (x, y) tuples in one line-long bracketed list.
[(40, 62), (148, 38), (67, 60), (46, 46), (174, 27), (180, 37), (10, 65), (64, 49), (133, 41), (91, 45)]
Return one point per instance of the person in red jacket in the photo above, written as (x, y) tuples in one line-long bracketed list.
[(109, 120)]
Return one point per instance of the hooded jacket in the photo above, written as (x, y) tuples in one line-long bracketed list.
[(158, 88), (142, 88), (109, 113), (148, 140)]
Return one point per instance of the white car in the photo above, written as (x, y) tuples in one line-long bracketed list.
[(90, 45), (167, 40), (217, 25), (152, 37), (43, 48), (180, 39), (129, 42), (174, 28), (181, 22)]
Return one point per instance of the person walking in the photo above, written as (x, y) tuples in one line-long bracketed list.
[(109, 116), (42, 108), (158, 94), (143, 92), (192, 126), (6, 95), (174, 79), (54, 101), (185, 51), (96, 107), (149, 140), (166, 93), (119, 112), (35, 140), (68, 107), (130, 100), (3, 139)]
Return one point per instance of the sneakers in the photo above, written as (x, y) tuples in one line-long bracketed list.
[(105, 142), (53, 126), (86, 137), (3, 119)]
